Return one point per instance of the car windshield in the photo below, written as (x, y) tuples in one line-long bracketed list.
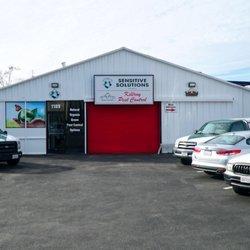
[(226, 139), (215, 128), (2, 135)]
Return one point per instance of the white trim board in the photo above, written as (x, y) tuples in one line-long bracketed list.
[(182, 99)]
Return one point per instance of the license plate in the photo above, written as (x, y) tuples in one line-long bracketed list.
[(184, 154), (14, 156), (208, 152), (245, 179)]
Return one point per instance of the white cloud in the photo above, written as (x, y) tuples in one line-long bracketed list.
[(209, 36)]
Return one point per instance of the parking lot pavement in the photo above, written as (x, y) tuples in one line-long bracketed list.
[(118, 202)]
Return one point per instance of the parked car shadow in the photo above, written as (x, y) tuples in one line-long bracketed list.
[(33, 168), (142, 158), (218, 177), (54, 163)]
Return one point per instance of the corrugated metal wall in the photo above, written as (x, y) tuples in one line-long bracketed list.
[(216, 99), (190, 116)]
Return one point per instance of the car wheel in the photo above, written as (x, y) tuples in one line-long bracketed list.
[(13, 162), (241, 191), (186, 161)]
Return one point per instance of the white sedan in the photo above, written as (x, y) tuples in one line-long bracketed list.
[(213, 155)]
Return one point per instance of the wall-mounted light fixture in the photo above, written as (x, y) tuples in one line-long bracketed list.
[(192, 84), (54, 85), (192, 89)]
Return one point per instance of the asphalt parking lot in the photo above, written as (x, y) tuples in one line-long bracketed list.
[(118, 202)]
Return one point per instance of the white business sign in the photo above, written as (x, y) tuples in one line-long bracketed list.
[(124, 89)]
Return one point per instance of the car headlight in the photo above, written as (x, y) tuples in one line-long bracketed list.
[(230, 167), (18, 145)]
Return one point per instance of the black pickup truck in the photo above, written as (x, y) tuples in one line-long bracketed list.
[(10, 149)]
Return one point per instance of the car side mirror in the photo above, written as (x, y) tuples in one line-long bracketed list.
[(248, 141), (5, 132), (196, 131)]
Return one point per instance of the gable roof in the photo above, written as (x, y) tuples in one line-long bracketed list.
[(130, 51)]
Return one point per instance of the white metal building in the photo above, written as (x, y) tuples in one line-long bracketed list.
[(173, 101)]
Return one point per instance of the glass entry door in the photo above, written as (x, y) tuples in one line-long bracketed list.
[(56, 127), (65, 127)]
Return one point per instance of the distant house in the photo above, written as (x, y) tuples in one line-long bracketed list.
[(241, 83)]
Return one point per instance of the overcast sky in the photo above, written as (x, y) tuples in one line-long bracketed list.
[(208, 36)]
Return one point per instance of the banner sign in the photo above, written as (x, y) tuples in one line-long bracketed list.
[(124, 89)]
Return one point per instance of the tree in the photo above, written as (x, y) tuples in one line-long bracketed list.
[(3, 79), (5, 76)]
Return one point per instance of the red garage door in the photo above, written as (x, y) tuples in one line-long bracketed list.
[(123, 129)]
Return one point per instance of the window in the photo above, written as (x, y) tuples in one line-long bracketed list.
[(238, 126), (25, 114), (226, 140)]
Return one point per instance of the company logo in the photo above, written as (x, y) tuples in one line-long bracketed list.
[(107, 98), (54, 94), (107, 83)]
